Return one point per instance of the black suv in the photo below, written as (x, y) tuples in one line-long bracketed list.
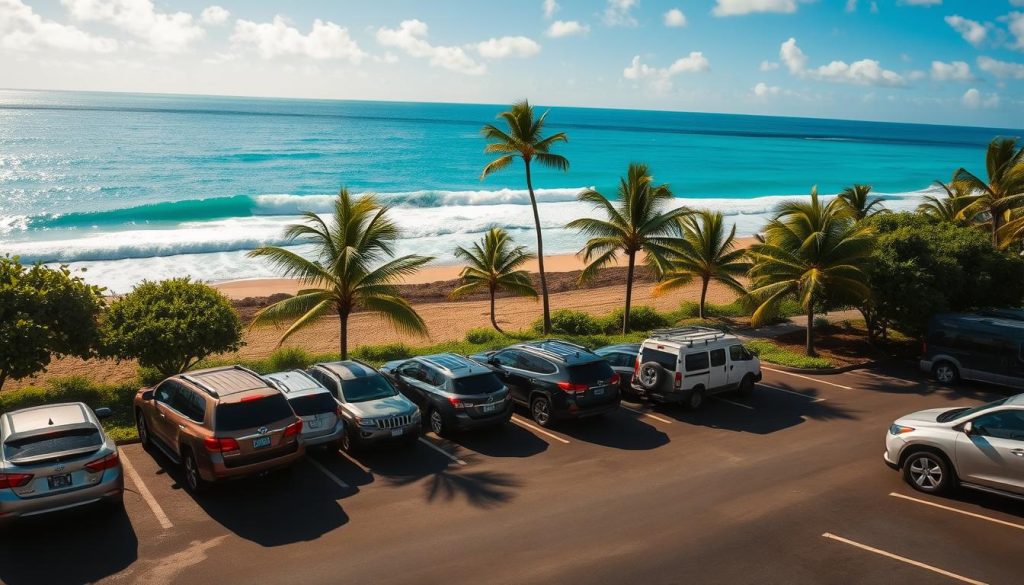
[(555, 379), (454, 392)]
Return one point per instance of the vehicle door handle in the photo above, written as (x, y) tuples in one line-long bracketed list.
[(182, 427), (161, 413), (730, 367), (1017, 452)]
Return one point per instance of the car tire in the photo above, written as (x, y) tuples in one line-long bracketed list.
[(945, 373), (746, 387), (143, 429), (540, 410), (193, 481), (435, 422), (928, 472), (346, 443), (651, 375), (696, 400)]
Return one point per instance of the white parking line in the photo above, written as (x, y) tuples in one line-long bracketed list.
[(902, 559), (328, 473), (536, 429), (958, 511), (747, 406), (807, 378), (442, 451), (654, 416), (162, 518), (355, 462), (811, 398)]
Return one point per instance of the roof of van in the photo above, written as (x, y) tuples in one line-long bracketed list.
[(980, 320)]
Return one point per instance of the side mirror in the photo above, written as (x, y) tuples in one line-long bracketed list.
[(103, 412), (147, 395), (968, 428), (492, 360)]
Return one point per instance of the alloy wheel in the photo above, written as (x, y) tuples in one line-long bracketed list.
[(696, 399), (436, 422), (541, 411), (926, 473), (140, 426), (945, 374), (191, 473)]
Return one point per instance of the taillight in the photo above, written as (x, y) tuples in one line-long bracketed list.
[(293, 429), (253, 398), (678, 381), (215, 444), (615, 380), (99, 465), (636, 366), (570, 388), (14, 480), (339, 412), (456, 403)]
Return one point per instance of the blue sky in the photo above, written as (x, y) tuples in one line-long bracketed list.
[(934, 61)]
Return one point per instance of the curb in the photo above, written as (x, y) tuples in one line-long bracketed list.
[(124, 442), (821, 371)]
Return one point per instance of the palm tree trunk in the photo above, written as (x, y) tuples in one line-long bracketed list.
[(343, 318), (540, 250), (810, 329), (997, 220), (703, 294), (494, 320), (629, 292)]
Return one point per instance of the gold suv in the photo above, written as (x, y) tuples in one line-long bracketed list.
[(219, 423)]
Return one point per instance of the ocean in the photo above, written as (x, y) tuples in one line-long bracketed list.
[(132, 186)]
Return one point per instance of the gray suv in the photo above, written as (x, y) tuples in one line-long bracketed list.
[(981, 448), (322, 424), (373, 410)]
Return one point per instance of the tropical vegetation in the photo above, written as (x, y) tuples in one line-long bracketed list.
[(949, 206), (1000, 193), (494, 265), (353, 268), (859, 203)]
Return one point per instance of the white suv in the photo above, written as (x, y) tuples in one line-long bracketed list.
[(686, 364)]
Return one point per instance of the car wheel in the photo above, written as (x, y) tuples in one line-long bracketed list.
[(193, 481), (927, 472), (746, 386), (540, 409), (346, 443), (696, 399), (436, 421), (946, 373), (651, 375), (142, 428)]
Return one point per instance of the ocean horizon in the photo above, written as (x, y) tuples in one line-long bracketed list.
[(149, 186)]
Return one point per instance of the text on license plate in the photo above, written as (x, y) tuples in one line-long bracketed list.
[(314, 423), (60, 481), (397, 432), (489, 407), (599, 391), (261, 442)]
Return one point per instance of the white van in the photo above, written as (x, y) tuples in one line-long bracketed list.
[(686, 364)]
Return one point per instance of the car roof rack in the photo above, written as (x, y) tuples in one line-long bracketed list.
[(557, 348), (449, 361), (688, 335), (199, 383)]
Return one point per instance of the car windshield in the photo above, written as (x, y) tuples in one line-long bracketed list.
[(479, 384), (591, 373), (254, 413), (313, 404), (52, 443), (965, 412), (367, 388)]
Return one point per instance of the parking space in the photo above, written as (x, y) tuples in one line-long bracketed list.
[(766, 474)]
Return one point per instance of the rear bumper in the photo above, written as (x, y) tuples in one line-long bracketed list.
[(217, 470), (331, 437), (926, 366), (109, 489), (464, 422), (584, 412)]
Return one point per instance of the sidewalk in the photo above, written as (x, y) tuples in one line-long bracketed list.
[(796, 323)]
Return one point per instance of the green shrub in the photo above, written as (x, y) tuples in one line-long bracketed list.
[(289, 358), (641, 318), (770, 352), (117, 397), (150, 376), (482, 335), (569, 322), (821, 322), (378, 354), (688, 309)]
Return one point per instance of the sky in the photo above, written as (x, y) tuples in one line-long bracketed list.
[(955, 62)]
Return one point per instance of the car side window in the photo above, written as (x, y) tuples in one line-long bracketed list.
[(536, 364), (432, 377), (696, 362), (165, 392), (1004, 424), (508, 358), (410, 370), (325, 381), (736, 353), (717, 358), (191, 404)]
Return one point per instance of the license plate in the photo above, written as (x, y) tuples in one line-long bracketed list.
[(314, 423), (397, 432), (598, 391), (490, 407), (60, 481), (261, 442)]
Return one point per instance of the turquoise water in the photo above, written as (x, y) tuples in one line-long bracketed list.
[(135, 186)]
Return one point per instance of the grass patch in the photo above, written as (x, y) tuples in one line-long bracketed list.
[(768, 351), (118, 397)]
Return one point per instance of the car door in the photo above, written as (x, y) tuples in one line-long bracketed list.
[(507, 366), (739, 364), (993, 454), (328, 381), (697, 370), (163, 413), (718, 375), (407, 378)]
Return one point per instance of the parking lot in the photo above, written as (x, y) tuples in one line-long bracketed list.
[(784, 486)]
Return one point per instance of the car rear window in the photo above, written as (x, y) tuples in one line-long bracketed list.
[(665, 359), (367, 388), (255, 413), (480, 384), (51, 444), (313, 404), (590, 373)]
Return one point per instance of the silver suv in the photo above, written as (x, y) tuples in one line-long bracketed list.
[(981, 448), (322, 423)]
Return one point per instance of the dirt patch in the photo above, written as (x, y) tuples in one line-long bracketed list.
[(846, 344)]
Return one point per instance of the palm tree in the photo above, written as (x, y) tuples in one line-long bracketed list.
[(949, 208), (494, 265), (814, 251), (1003, 192), (636, 224), (859, 204), (347, 272), (523, 140), (705, 251)]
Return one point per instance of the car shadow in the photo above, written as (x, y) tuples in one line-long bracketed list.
[(78, 546), (902, 377), (768, 412), (617, 430), (507, 440), (996, 503)]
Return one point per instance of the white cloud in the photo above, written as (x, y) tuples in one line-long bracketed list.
[(617, 13), (410, 36), (971, 30), (762, 89), (674, 18), (741, 7), (851, 5), (163, 32), (566, 28), (214, 15), (769, 65), (1017, 3), (660, 78), (508, 47), (1001, 69), (21, 29), (955, 71), (278, 38), (550, 7), (1015, 22), (916, 75), (862, 72), (973, 99)]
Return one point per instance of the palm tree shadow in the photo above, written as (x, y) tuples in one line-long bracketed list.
[(482, 489)]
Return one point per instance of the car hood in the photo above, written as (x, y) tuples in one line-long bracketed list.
[(390, 406), (929, 417)]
